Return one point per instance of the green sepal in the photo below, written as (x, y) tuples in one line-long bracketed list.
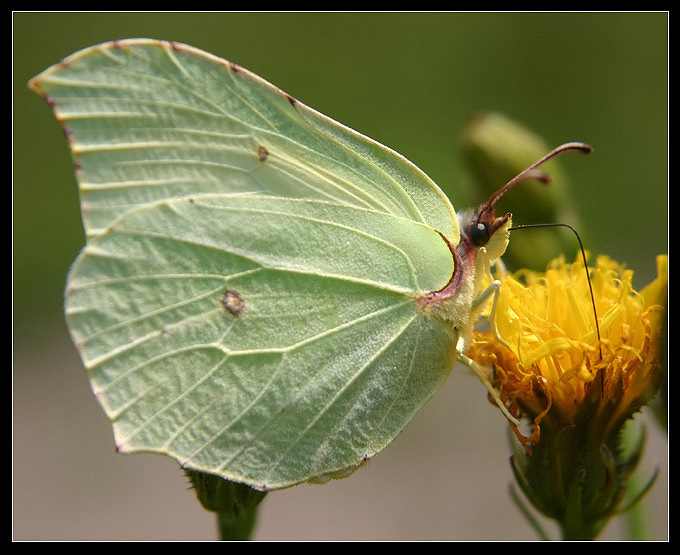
[(578, 482)]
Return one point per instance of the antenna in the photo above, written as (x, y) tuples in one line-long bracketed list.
[(581, 147), (487, 223)]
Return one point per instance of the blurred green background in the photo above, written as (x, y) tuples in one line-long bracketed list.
[(411, 81)]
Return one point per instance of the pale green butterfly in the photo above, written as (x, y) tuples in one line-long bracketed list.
[(265, 294)]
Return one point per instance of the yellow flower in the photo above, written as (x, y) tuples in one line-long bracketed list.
[(552, 367), (576, 385)]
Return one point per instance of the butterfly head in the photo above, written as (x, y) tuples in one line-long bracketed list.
[(483, 231)]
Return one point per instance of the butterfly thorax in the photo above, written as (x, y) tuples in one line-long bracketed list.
[(481, 244)]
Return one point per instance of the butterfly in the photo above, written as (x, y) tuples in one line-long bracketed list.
[(265, 294)]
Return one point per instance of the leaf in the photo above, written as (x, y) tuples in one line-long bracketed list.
[(248, 300)]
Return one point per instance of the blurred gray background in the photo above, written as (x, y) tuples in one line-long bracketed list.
[(411, 81)]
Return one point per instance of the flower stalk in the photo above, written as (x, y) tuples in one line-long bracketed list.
[(235, 504)]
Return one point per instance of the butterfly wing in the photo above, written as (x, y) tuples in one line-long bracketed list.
[(245, 299)]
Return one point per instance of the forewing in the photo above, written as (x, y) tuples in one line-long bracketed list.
[(149, 121)]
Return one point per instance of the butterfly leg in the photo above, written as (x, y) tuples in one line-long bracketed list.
[(481, 372), (483, 376), (493, 289)]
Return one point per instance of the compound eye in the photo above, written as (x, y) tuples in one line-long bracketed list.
[(478, 234)]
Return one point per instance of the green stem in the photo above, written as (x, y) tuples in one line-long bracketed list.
[(235, 504), (636, 523), (236, 528)]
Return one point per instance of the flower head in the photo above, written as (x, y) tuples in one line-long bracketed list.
[(576, 383), (551, 365)]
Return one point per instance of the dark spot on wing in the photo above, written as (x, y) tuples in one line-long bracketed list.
[(233, 303), (262, 153)]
